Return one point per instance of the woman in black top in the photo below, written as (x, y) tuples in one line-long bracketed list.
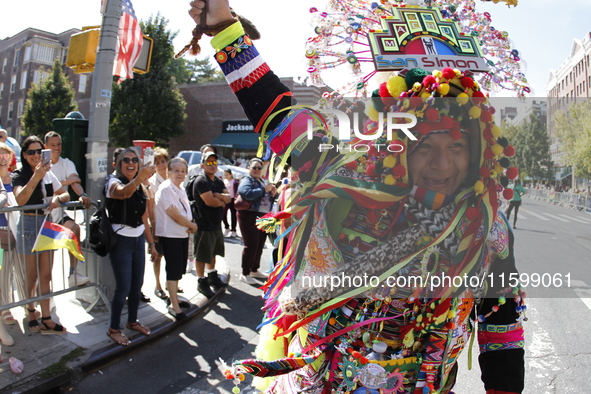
[(126, 203), (35, 184)]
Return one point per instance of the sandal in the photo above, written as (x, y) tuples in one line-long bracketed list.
[(57, 329), (139, 327), (33, 324), (8, 318), (118, 337)]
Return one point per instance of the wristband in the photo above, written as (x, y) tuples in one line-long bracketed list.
[(83, 195)]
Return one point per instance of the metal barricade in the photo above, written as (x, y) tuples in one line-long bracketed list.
[(14, 290), (574, 201)]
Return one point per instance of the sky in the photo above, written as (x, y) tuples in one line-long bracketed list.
[(543, 31)]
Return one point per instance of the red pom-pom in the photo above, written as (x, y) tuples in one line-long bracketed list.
[(484, 172), (467, 82), (456, 134), (455, 126), (446, 122), (478, 97), (492, 110), (399, 170), (415, 102), (487, 134), (448, 73), (509, 151), (429, 80), (512, 172), (352, 165), (356, 354), (432, 114), (471, 213), (485, 116), (371, 170), (508, 194), (383, 90), (423, 128), (488, 154), (363, 360)]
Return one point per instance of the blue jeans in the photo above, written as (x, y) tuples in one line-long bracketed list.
[(128, 259)]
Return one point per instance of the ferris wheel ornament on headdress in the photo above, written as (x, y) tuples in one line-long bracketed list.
[(344, 40)]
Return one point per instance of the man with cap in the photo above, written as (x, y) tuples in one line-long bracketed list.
[(211, 197)]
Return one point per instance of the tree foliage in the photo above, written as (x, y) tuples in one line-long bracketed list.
[(195, 70), (532, 148), (49, 99), (149, 106), (573, 129)]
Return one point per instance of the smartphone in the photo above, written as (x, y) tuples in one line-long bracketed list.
[(45, 156), (149, 156)]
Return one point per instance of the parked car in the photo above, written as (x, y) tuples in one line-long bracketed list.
[(193, 158)]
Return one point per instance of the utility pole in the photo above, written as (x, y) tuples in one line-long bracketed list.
[(97, 157)]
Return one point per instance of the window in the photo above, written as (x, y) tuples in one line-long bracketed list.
[(4, 65), (24, 79), (1, 89), (20, 108), (13, 83), (10, 109), (40, 76), (45, 53), (17, 54), (28, 49), (82, 83)]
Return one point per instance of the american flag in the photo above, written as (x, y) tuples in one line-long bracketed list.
[(130, 40)]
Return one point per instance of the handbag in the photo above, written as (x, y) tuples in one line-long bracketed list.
[(241, 204), (101, 236)]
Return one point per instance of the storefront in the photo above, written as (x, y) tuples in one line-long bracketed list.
[(237, 140)]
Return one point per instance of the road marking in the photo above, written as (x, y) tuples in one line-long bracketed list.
[(575, 219), (585, 219), (582, 290), (557, 217), (535, 214)]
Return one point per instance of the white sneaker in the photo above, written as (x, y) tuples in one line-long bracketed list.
[(259, 274), (248, 279), (234, 235), (227, 232), (77, 280)]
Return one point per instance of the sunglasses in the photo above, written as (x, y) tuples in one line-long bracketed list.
[(5, 156), (128, 160), (211, 163), (256, 168), (32, 152)]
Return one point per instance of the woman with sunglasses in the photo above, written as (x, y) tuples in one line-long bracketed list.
[(35, 184), (253, 188), (126, 203)]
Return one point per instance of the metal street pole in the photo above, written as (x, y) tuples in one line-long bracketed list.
[(97, 159)]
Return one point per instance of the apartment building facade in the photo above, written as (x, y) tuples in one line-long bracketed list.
[(27, 58)]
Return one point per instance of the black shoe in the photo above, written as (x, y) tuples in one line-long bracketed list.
[(160, 294), (214, 280), (143, 298), (184, 304), (203, 288), (178, 316)]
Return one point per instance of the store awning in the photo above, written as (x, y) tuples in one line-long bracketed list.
[(565, 174), (237, 140)]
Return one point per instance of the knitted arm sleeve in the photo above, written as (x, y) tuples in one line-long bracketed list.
[(258, 89)]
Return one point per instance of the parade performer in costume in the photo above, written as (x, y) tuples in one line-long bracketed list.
[(421, 204)]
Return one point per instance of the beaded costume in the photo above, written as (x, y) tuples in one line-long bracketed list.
[(358, 214)]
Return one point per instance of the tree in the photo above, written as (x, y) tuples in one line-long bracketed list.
[(532, 148), (573, 129), (48, 99), (195, 70), (149, 106)]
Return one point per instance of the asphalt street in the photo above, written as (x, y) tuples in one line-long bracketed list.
[(551, 243)]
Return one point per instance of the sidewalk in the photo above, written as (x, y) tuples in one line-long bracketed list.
[(51, 361)]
